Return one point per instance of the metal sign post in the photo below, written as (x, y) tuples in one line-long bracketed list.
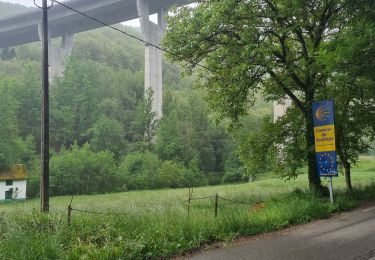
[(330, 187), (325, 141)]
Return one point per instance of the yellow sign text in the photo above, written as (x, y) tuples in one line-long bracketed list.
[(325, 138)]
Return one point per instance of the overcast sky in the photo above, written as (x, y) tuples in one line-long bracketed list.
[(31, 3), (22, 2)]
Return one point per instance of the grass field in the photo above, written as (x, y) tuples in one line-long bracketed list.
[(156, 224)]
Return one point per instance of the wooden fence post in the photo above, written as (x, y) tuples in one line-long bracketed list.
[(69, 214), (216, 203)]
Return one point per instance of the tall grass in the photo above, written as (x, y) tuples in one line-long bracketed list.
[(156, 224)]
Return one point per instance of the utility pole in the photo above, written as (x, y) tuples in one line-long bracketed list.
[(44, 173)]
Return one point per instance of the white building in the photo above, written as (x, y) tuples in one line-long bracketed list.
[(13, 183)]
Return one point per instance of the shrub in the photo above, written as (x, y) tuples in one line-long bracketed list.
[(214, 178), (146, 171), (172, 175), (234, 176), (138, 170), (82, 171)]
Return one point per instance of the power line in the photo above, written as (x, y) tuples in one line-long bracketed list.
[(132, 36)]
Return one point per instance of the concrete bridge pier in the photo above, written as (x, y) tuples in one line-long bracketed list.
[(58, 54), (153, 34), (279, 109)]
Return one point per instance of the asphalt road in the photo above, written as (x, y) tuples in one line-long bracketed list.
[(349, 235)]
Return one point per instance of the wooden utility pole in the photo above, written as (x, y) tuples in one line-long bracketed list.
[(44, 173)]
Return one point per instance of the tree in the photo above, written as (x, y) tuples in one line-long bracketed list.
[(100, 100), (8, 54), (107, 134), (278, 146), (274, 47), (252, 136), (8, 122), (145, 124), (88, 91), (187, 133), (27, 93), (354, 128), (352, 88), (77, 95), (8, 9), (234, 169), (25, 153)]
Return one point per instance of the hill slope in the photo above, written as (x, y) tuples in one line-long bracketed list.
[(8, 9)]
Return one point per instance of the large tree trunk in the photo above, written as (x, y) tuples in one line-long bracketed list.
[(348, 178), (314, 179)]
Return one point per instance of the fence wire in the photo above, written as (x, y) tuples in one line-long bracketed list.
[(95, 212), (201, 198), (215, 197), (235, 201)]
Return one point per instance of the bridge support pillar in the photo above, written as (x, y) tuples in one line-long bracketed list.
[(279, 110), (153, 34), (58, 54)]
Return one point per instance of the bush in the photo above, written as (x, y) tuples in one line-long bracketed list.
[(138, 170), (172, 175), (146, 171), (234, 176), (214, 178), (234, 171), (82, 171)]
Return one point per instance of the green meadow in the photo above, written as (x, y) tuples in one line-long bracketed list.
[(157, 224)]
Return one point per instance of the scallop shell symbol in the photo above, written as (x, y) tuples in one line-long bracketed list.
[(322, 113)]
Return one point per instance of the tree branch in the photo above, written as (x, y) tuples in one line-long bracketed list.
[(300, 38), (284, 59), (287, 91), (322, 25)]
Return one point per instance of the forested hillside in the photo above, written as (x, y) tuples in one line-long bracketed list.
[(100, 116), (8, 9)]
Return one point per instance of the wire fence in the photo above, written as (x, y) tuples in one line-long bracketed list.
[(202, 198), (216, 198)]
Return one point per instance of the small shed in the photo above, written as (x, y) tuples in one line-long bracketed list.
[(13, 183)]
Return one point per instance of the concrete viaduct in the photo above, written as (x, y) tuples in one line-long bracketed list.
[(64, 23)]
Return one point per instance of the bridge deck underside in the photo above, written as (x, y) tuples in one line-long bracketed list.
[(24, 28)]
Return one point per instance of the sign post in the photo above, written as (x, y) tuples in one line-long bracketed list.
[(325, 143), (330, 187)]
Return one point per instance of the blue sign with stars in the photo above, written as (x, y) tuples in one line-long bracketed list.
[(327, 164), (324, 131)]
